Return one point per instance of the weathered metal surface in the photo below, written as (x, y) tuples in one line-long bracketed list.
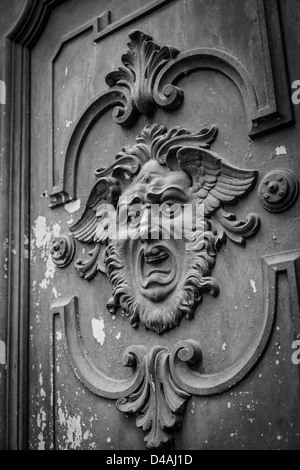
[(232, 73)]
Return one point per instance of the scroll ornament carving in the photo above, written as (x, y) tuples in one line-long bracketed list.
[(148, 80), (142, 64), (159, 403), (162, 381)]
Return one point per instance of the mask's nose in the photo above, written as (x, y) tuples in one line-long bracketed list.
[(149, 226)]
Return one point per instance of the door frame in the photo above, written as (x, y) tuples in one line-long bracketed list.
[(15, 221)]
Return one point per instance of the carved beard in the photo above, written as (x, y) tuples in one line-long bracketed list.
[(160, 318)]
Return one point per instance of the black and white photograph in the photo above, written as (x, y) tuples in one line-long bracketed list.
[(149, 228)]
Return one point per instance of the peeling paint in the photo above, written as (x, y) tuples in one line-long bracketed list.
[(280, 151), (41, 445), (118, 336), (56, 230), (42, 391), (69, 123), (42, 233), (42, 238), (41, 419), (2, 353), (61, 417), (54, 292), (74, 434), (41, 423), (59, 335), (98, 330), (253, 285), (73, 206)]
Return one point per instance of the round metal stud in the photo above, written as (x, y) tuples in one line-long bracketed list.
[(278, 190), (63, 250)]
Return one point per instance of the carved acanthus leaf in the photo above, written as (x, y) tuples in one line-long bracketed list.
[(88, 268), (159, 403), (143, 62), (237, 230)]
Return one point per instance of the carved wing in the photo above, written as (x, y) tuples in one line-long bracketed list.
[(215, 181), (96, 222)]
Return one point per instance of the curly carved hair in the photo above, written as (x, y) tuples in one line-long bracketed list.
[(201, 256)]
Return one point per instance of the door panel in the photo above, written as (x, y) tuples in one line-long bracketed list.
[(231, 72)]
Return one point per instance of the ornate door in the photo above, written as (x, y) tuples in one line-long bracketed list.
[(160, 173)]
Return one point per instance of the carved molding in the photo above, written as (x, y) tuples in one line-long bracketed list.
[(131, 18), (273, 265), (15, 207), (262, 116), (101, 27), (106, 100), (150, 393), (32, 21), (162, 381), (287, 262), (134, 93), (89, 375)]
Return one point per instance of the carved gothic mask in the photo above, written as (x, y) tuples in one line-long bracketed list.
[(151, 214)]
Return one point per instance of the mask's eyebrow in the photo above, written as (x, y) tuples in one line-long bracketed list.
[(171, 193), (136, 198)]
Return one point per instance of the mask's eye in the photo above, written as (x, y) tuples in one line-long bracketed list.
[(102, 212), (134, 218), (170, 210)]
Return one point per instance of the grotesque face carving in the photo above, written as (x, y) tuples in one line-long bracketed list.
[(163, 191), (156, 262), (160, 280)]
